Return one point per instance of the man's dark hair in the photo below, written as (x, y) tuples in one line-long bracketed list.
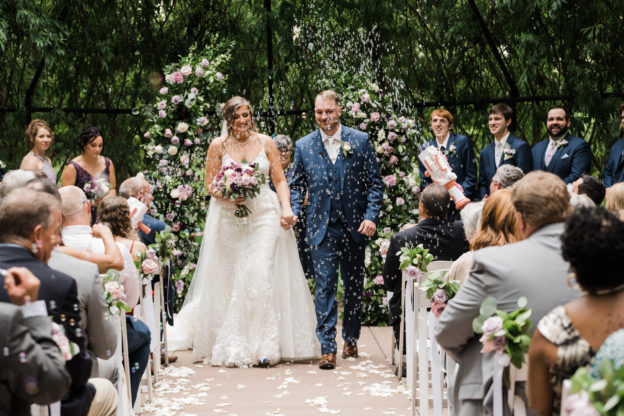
[(559, 107), (592, 187), (87, 135), (593, 242), (504, 109), (436, 201)]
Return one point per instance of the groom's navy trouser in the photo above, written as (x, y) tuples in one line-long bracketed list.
[(338, 250)]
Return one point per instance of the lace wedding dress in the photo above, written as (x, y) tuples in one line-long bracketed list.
[(249, 300)]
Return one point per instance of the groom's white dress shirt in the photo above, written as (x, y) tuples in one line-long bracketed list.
[(81, 237), (332, 143)]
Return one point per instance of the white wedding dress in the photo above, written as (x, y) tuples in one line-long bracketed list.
[(249, 299)]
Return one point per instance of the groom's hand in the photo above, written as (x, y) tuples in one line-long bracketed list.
[(368, 228)]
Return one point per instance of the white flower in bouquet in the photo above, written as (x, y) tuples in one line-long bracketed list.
[(158, 149), (172, 150), (164, 91), (379, 149), (182, 127), (168, 133), (186, 70), (381, 134), (174, 193), (360, 114)]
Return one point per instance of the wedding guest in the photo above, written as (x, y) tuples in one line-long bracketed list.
[(141, 189), (77, 233), (505, 177), (90, 167), (284, 146), (27, 329), (578, 201), (444, 239), (614, 169), (114, 212), (39, 138), (591, 186), (563, 154), (14, 179), (30, 223), (615, 198), (506, 149), (533, 268), (458, 151), (569, 336)]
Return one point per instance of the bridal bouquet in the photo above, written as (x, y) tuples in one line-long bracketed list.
[(236, 180), (96, 188), (439, 292), (506, 333)]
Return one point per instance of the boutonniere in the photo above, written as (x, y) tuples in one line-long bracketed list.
[(452, 150), (508, 151), (561, 144), (346, 148)]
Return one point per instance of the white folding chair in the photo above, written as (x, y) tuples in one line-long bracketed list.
[(418, 336), (161, 314)]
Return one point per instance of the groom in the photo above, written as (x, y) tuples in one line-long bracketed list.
[(336, 165)]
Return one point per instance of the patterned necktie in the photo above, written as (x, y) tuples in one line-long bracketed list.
[(498, 153), (550, 152)]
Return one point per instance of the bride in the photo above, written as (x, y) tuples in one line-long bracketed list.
[(248, 303)]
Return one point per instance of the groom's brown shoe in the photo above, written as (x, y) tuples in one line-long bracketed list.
[(328, 361), (349, 349)]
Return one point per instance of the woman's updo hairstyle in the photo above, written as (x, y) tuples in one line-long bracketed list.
[(87, 135), (115, 212), (229, 110), (33, 129), (593, 243)]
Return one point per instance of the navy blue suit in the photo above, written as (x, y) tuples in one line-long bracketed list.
[(522, 158), (614, 171), (341, 196), (462, 161), (155, 226), (569, 162)]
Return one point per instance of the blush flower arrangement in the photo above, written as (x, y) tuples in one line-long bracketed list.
[(602, 396), (507, 334), (439, 291), (414, 259), (96, 188), (239, 180), (114, 293)]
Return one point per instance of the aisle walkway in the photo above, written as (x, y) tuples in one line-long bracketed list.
[(362, 386)]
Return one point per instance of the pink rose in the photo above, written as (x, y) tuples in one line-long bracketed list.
[(176, 99), (189, 172), (175, 227), (186, 70), (179, 284), (147, 135), (162, 114), (494, 344), (493, 324), (194, 91), (375, 116), (170, 216), (115, 289), (440, 296), (177, 78), (363, 126), (437, 308), (412, 271), (149, 266), (379, 280), (168, 133), (184, 159), (401, 174), (176, 252), (205, 62), (175, 140), (202, 121), (197, 140), (365, 98), (383, 248), (393, 160), (390, 180), (162, 104), (198, 71), (415, 190), (219, 76), (392, 136), (391, 124), (164, 91), (355, 107), (400, 202), (254, 181), (403, 139), (188, 142), (386, 230)]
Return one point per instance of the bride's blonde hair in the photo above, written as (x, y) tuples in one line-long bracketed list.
[(230, 108)]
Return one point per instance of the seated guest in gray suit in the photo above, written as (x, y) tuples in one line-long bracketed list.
[(505, 176), (26, 329), (563, 154), (533, 268), (614, 170), (445, 240)]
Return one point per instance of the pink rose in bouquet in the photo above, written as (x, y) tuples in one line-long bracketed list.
[(186, 70), (412, 271), (177, 78), (149, 266), (375, 116), (58, 335), (379, 280), (239, 180), (115, 289), (437, 308), (96, 188)]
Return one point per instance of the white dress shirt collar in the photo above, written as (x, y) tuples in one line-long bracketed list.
[(336, 136), (502, 141), (444, 143)]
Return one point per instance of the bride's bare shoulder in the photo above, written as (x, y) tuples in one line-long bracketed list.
[(217, 142)]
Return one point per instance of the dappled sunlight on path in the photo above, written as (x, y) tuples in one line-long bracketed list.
[(362, 386)]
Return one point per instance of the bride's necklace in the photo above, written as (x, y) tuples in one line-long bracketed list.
[(240, 143)]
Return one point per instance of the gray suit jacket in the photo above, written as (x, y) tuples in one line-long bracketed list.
[(532, 268), (39, 376), (100, 331)]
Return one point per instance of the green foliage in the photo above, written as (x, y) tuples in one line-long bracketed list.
[(434, 282), (605, 394), (415, 256)]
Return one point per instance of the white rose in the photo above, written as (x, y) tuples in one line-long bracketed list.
[(174, 194), (182, 128), (360, 114), (172, 150), (158, 149), (347, 146), (381, 135), (379, 149)]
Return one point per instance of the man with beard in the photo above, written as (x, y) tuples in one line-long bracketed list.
[(563, 154)]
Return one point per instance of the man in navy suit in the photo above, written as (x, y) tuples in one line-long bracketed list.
[(506, 149), (563, 154), (337, 166), (614, 171), (457, 149)]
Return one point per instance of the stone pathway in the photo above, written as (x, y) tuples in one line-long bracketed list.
[(362, 386)]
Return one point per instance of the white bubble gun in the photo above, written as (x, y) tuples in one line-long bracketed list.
[(439, 170)]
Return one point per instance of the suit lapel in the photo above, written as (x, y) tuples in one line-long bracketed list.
[(319, 151), (619, 150), (557, 156), (345, 137)]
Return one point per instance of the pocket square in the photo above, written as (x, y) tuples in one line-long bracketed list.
[(564, 156)]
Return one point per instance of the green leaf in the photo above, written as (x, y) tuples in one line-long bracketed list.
[(522, 302), (488, 307)]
